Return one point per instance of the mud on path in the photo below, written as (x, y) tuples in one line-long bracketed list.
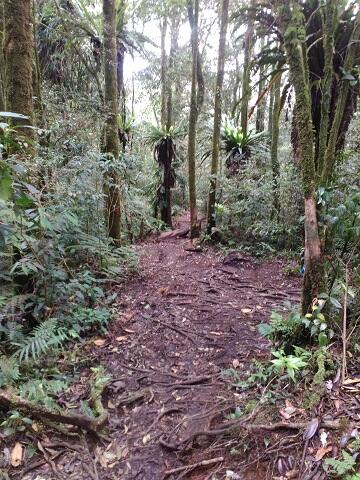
[(184, 319), (187, 317)]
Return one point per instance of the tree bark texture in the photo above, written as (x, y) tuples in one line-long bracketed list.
[(193, 12), (111, 145), (211, 221), (18, 50)]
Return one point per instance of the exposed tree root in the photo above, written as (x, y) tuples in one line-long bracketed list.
[(9, 401), (188, 468), (240, 424)]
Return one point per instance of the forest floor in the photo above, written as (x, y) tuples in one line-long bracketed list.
[(183, 321)]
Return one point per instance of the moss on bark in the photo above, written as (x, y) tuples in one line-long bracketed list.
[(111, 146), (18, 49), (211, 223)]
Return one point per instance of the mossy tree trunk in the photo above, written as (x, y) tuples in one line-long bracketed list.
[(211, 220), (175, 24), (336, 133), (111, 146), (193, 13), (293, 28), (270, 111), (2, 59), (275, 165), (18, 50), (163, 30), (246, 86), (260, 111)]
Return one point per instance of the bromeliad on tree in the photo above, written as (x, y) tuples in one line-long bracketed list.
[(164, 141)]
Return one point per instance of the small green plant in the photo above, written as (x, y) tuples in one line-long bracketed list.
[(291, 364), (282, 331), (317, 324), (84, 319), (343, 467)]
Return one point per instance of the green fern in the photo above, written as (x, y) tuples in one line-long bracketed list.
[(41, 391), (13, 332), (41, 340), (342, 466), (9, 370)]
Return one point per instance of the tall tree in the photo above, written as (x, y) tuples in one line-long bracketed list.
[(163, 30), (18, 49), (193, 13), (174, 28), (275, 142), (246, 80), (2, 59), (111, 146), (320, 125), (261, 107), (211, 221)]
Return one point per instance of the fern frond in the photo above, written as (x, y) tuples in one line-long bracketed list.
[(42, 338), (9, 370)]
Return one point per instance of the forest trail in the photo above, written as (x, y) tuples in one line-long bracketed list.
[(186, 317)]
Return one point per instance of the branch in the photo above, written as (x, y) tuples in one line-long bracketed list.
[(9, 401)]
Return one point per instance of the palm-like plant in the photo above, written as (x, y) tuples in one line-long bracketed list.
[(164, 141), (240, 146)]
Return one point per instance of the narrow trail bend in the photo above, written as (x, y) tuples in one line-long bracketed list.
[(185, 318)]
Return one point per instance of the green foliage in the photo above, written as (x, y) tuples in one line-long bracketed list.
[(342, 466), (157, 134), (282, 331), (44, 337), (9, 370), (291, 364), (83, 319), (234, 141)]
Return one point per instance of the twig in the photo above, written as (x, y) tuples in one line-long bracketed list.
[(176, 329), (188, 468)]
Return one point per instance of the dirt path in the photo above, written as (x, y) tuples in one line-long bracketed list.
[(191, 315), (185, 318)]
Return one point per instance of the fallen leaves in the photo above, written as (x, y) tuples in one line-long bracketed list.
[(311, 429), (235, 363), (322, 452), (111, 455), (17, 455), (99, 342), (290, 410), (246, 310)]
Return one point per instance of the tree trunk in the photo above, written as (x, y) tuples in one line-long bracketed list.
[(163, 29), (270, 111), (111, 145), (328, 46), (211, 221), (260, 112), (18, 49), (275, 142), (175, 22), (295, 47), (38, 103), (246, 87), (342, 101), (193, 20), (2, 59)]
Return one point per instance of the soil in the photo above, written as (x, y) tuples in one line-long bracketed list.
[(187, 317)]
